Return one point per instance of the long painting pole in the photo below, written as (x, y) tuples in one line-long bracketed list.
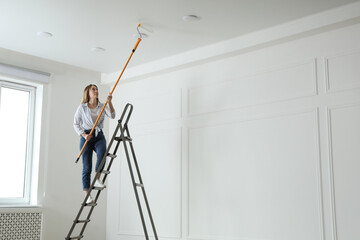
[(102, 110)]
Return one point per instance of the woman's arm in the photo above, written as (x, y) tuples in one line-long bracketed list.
[(77, 121), (77, 125), (109, 98), (111, 108)]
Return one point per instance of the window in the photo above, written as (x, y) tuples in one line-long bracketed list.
[(17, 112)]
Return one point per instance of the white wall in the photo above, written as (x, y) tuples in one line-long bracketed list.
[(60, 189), (258, 144)]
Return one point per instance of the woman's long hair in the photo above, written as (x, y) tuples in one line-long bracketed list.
[(86, 96)]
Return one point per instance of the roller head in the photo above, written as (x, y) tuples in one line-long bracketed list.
[(146, 28), (142, 34)]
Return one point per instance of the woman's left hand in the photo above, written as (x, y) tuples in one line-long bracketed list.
[(109, 98)]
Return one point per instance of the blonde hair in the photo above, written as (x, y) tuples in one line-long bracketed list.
[(86, 96)]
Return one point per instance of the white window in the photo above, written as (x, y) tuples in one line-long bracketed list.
[(17, 106)]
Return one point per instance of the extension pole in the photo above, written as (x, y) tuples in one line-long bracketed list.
[(102, 110)]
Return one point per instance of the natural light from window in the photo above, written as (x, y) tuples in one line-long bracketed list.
[(14, 112)]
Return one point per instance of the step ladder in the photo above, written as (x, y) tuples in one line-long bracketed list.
[(81, 222)]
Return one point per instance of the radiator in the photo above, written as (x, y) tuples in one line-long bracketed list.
[(20, 226)]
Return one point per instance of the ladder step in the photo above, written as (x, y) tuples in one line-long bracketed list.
[(82, 221), (105, 172), (77, 237), (139, 185), (129, 139), (90, 204), (111, 155), (99, 188)]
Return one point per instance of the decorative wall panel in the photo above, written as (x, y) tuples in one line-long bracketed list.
[(280, 84), (345, 156), (256, 180), (343, 71), (156, 107)]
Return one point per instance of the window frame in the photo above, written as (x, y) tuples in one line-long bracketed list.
[(27, 191)]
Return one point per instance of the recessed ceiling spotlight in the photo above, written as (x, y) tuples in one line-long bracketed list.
[(44, 34), (98, 49), (191, 18), (144, 35)]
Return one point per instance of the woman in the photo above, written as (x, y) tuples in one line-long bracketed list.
[(84, 119)]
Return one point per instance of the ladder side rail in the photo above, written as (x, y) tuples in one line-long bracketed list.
[(71, 230), (129, 115), (134, 157), (74, 224), (134, 185), (103, 161), (109, 165), (79, 214), (89, 215), (111, 161), (83, 206), (96, 199), (128, 105), (108, 169), (149, 213), (143, 188), (91, 186)]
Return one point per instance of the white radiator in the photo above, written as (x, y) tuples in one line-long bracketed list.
[(20, 226)]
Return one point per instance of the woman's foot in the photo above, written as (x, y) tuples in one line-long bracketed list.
[(98, 183), (89, 200)]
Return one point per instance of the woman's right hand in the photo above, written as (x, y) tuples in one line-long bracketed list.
[(87, 136)]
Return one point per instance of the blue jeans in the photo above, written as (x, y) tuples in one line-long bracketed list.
[(97, 144)]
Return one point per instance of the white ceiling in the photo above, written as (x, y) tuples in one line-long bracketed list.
[(79, 25)]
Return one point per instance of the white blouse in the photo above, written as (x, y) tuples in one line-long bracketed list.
[(83, 118)]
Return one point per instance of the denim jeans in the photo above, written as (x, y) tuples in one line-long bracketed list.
[(97, 144)]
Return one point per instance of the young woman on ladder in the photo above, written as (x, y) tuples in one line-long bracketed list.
[(84, 120)]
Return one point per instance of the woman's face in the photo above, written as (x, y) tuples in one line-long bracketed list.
[(93, 92)]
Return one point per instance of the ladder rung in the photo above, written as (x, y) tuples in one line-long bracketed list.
[(82, 221), (105, 172), (139, 185), (77, 237), (126, 139), (111, 155), (98, 188), (90, 204)]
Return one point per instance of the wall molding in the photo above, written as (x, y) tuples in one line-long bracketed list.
[(331, 179), (24, 73), (327, 71)]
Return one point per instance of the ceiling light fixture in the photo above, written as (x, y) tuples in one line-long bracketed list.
[(44, 34), (98, 49), (190, 18)]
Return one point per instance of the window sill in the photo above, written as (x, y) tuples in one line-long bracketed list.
[(20, 208)]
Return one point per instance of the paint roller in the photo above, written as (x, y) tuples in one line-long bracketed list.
[(102, 110)]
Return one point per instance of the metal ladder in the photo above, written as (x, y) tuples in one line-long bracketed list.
[(126, 140)]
